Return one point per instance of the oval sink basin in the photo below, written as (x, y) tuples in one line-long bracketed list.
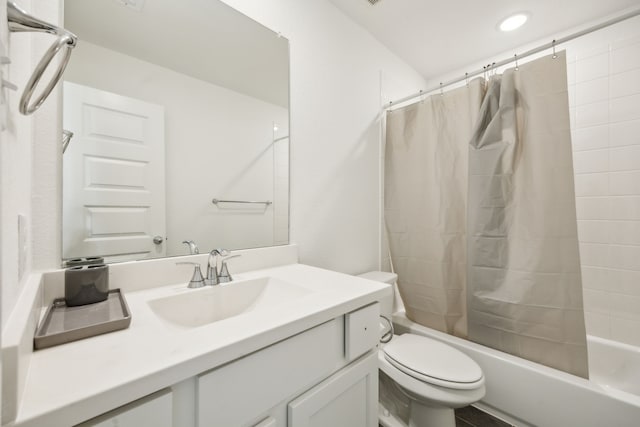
[(213, 303)]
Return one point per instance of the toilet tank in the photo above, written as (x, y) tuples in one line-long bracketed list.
[(386, 304)]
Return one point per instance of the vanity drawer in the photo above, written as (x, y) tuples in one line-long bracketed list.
[(361, 331), (234, 394), (153, 410)]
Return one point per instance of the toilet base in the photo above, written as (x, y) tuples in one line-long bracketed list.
[(428, 416), (421, 416)]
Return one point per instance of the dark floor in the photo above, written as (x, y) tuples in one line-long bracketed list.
[(472, 417)]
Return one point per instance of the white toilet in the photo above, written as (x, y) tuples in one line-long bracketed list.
[(436, 377)]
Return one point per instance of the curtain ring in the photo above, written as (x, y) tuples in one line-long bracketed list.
[(421, 96), (553, 46), (441, 91), (516, 57), (466, 79)]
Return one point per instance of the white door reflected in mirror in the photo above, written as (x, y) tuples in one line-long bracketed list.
[(223, 82)]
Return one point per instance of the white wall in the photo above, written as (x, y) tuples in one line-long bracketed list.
[(27, 142), (219, 143), (336, 70)]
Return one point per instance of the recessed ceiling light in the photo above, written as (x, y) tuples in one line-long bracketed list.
[(513, 22)]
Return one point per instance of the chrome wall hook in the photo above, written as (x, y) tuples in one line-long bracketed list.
[(21, 21)]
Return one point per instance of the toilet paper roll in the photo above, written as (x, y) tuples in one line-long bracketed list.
[(86, 284)]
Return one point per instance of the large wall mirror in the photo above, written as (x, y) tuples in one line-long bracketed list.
[(173, 104)]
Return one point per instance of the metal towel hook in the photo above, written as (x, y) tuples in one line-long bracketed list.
[(21, 21)]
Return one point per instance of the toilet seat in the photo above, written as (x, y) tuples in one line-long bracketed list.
[(433, 362)]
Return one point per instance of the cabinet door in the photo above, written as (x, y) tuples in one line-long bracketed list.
[(348, 398), (238, 393), (154, 410)]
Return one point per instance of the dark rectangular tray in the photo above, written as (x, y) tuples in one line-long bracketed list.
[(62, 324)]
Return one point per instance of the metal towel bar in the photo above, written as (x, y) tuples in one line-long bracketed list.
[(21, 21), (266, 202)]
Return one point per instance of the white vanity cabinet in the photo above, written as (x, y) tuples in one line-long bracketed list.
[(324, 376), (305, 380)]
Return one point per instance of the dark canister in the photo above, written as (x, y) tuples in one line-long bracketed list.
[(86, 284)]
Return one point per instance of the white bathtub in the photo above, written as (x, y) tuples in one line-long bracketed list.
[(525, 393)]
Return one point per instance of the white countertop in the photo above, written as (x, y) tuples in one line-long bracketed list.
[(73, 382)]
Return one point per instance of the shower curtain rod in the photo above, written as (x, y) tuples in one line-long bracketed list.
[(516, 57)]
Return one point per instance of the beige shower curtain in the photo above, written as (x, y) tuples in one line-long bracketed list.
[(426, 162), (519, 227)]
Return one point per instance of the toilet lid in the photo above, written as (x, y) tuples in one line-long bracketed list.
[(431, 361)]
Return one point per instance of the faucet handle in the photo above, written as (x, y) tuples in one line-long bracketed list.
[(193, 248), (197, 281), (224, 275)]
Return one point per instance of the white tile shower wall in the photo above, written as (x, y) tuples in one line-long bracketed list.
[(605, 96)]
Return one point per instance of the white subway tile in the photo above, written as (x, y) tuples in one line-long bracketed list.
[(625, 330), (593, 207), (623, 84), (624, 133), (591, 161), (624, 208), (624, 183), (596, 301), (621, 109), (624, 158), (624, 257), (593, 231), (592, 68), (592, 91), (624, 281), (592, 184), (594, 254), (595, 114), (571, 92), (590, 50), (590, 138), (597, 324), (624, 42), (625, 306), (625, 58), (624, 233), (571, 72), (595, 278)]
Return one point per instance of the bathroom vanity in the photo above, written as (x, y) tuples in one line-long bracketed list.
[(298, 348)]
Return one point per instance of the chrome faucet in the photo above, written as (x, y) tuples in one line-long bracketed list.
[(212, 268), (193, 248), (215, 276)]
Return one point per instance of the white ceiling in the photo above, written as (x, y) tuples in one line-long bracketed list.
[(204, 39), (439, 36)]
